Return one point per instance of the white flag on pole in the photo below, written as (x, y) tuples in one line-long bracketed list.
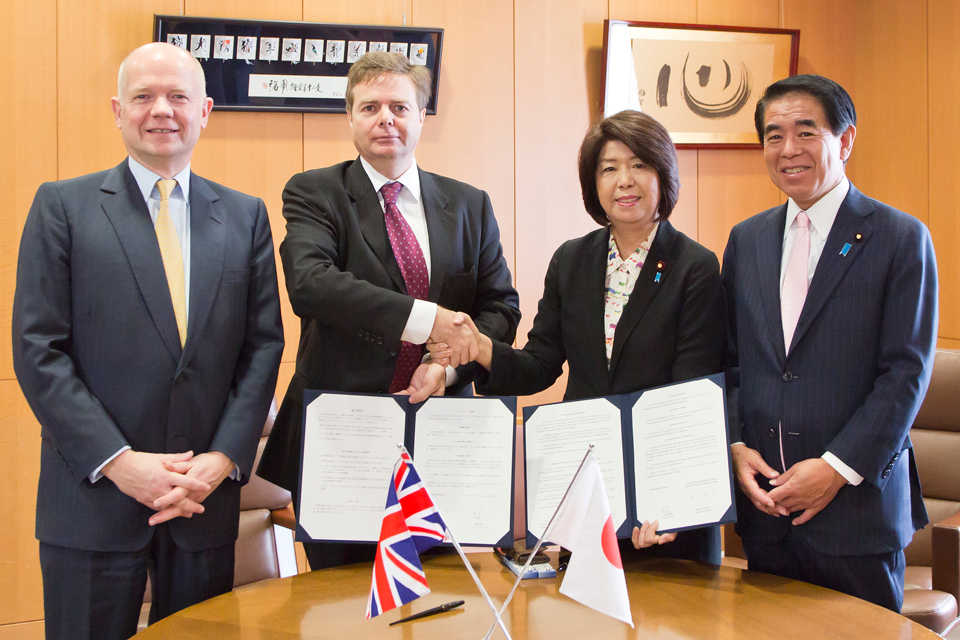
[(583, 525)]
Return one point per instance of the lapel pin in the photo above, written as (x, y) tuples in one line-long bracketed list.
[(846, 249), (659, 268), (858, 237)]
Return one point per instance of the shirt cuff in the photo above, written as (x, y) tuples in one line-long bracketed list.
[(98, 472), (420, 323), (849, 474), (451, 376)]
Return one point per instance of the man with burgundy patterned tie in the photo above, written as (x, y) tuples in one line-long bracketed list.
[(147, 339), (833, 315), (380, 257)]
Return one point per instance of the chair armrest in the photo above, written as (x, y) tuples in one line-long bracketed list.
[(946, 556), (285, 517)]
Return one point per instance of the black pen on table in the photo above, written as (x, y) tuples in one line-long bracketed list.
[(430, 612)]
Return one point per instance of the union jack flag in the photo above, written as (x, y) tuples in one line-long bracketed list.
[(411, 525)]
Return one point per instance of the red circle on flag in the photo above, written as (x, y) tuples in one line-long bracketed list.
[(608, 539)]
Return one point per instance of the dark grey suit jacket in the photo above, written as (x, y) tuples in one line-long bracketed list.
[(858, 368), (670, 331), (98, 356), (345, 285)]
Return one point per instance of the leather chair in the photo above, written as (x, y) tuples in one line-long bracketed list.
[(932, 584), (932, 581), (262, 505)]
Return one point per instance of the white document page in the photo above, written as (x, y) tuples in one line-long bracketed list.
[(557, 438), (463, 451), (680, 455), (349, 451)]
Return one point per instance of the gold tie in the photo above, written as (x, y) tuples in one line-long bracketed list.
[(172, 256)]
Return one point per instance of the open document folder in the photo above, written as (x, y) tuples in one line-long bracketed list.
[(664, 454), (464, 450)]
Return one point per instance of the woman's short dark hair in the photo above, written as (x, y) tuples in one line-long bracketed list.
[(648, 140)]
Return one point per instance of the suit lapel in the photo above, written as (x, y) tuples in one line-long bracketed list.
[(593, 287), (769, 257), (442, 227), (207, 239), (366, 206), (128, 213), (660, 259), (851, 220)]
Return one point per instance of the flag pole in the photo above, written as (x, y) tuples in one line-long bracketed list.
[(540, 540), (456, 545)]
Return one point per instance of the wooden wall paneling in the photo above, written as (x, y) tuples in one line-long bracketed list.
[(890, 155), (557, 91), (948, 343), (740, 13), (944, 165), (471, 137), (22, 631), (326, 136), (680, 11), (684, 216), (28, 156), (245, 9), (92, 39), (732, 186), (256, 153), (827, 44), (21, 595)]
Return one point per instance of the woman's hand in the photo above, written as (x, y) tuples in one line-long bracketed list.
[(646, 536)]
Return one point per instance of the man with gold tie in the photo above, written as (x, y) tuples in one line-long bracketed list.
[(146, 338)]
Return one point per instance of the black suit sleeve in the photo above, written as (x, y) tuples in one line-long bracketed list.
[(532, 369), (73, 419), (701, 323), (320, 286), (255, 374)]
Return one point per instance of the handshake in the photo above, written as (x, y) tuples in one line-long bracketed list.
[(453, 341)]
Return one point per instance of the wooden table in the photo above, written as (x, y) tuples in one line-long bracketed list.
[(670, 599)]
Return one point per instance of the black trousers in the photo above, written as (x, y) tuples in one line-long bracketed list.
[(90, 595), (877, 579)]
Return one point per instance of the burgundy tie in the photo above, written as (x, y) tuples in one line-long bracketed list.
[(414, 269)]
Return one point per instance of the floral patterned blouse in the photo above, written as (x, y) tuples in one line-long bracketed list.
[(621, 278)]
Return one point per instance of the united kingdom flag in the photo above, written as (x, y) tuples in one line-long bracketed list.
[(411, 525)]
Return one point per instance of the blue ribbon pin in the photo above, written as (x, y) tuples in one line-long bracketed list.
[(845, 249)]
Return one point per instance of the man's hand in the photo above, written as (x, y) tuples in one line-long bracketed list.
[(457, 331), (211, 468), (429, 379), (646, 536), (146, 478), (747, 463), (809, 485)]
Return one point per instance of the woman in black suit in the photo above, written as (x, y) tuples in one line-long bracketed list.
[(633, 305)]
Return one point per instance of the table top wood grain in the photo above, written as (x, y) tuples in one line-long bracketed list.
[(673, 599)]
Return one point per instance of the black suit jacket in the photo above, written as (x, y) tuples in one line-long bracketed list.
[(346, 287), (857, 370), (670, 331), (98, 356)]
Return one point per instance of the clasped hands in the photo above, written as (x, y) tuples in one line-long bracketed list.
[(808, 486), (454, 340), (172, 484)]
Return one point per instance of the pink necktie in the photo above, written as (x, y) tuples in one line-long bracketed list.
[(795, 282), (414, 269)]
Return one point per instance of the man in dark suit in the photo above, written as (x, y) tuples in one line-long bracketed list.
[(833, 314), (146, 338), (378, 257)]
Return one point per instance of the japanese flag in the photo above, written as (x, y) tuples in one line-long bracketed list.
[(594, 576)]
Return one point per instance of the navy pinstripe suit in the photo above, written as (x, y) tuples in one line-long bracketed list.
[(857, 369)]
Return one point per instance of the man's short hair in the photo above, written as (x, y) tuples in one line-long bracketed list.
[(648, 140), (376, 63), (833, 99)]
